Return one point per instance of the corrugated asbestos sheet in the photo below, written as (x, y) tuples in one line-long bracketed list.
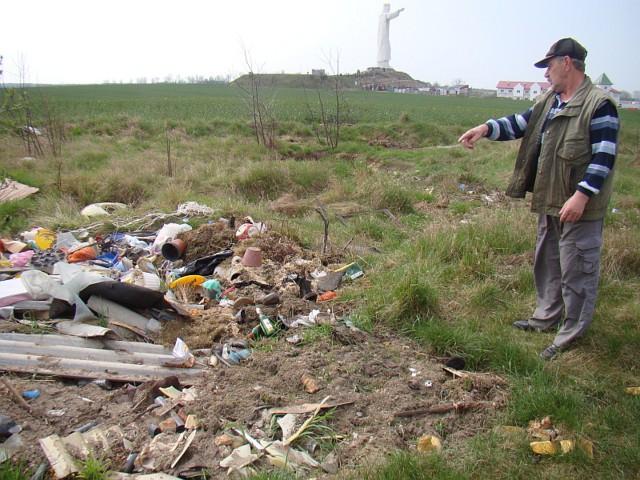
[(67, 356), (12, 190)]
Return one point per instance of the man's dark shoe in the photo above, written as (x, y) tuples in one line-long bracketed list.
[(523, 325), (527, 327), (550, 352)]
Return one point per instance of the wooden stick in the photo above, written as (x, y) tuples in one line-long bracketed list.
[(16, 395), (459, 407), (325, 220)]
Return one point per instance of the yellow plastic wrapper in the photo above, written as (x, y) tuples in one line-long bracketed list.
[(429, 443), (544, 448), (632, 390), (45, 239), (567, 445)]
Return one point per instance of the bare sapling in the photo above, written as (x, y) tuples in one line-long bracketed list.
[(328, 115), (262, 112)]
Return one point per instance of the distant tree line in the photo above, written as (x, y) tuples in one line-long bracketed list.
[(178, 79)]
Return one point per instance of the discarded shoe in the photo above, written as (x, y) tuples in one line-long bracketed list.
[(311, 296), (271, 299), (550, 352), (242, 302)]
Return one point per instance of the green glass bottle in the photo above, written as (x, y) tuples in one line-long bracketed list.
[(265, 323), (265, 328)]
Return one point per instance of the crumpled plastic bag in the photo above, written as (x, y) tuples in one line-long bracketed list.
[(41, 286), (21, 259), (250, 228)]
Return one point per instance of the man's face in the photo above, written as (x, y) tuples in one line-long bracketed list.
[(556, 73)]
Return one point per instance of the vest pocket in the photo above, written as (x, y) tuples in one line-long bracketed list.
[(575, 155), (575, 151)]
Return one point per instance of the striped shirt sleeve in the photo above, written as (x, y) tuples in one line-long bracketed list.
[(510, 127), (603, 134)]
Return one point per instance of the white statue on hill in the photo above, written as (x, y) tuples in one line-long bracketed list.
[(384, 47)]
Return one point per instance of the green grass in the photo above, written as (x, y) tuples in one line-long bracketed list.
[(14, 471), (404, 465), (92, 468)]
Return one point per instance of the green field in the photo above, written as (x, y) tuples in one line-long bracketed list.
[(193, 102), (452, 273)]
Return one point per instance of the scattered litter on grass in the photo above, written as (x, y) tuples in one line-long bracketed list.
[(171, 340)]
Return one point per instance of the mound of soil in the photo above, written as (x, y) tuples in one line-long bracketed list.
[(377, 381)]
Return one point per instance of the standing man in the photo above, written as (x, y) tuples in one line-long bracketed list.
[(566, 160), (384, 46)]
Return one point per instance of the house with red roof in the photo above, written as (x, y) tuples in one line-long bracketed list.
[(521, 90), (530, 90)]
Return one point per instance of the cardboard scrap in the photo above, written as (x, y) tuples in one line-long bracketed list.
[(293, 457), (187, 443), (288, 425), (10, 190), (63, 453), (158, 455), (239, 458)]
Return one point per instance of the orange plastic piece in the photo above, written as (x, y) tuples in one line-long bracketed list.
[(327, 296), (86, 253)]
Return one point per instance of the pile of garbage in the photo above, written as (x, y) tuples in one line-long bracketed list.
[(149, 277), (142, 287)]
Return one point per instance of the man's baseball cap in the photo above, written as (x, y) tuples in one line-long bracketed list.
[(563, 47)]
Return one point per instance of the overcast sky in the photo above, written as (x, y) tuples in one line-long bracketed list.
[(480, 42)]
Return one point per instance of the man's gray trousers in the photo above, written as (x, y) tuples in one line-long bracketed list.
[(566, 271)]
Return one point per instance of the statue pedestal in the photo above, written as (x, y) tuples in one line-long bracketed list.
[(380, 69), (387, 79)]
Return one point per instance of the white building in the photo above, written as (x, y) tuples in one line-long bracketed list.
[(605, 84), (521, 90)]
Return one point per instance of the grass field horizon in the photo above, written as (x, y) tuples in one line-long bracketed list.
[(452, 272)]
